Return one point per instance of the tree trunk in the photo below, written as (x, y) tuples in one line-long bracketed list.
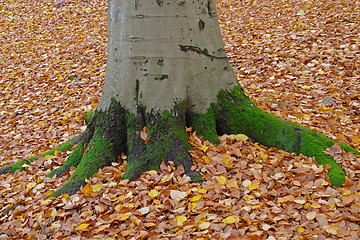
[(167, 69)]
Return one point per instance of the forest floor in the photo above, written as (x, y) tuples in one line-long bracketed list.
[(302, 53)]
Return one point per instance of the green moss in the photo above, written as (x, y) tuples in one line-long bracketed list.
[(18, 165), (72, 161), (167, 141), (238, 114), (98, 156), (89, 115), (205, 125), (104, 141)]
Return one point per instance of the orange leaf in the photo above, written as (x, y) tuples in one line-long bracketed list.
[(73, 147), (144, 135), (86, 149)]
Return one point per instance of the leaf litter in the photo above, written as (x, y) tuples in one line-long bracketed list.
[(295, 52)]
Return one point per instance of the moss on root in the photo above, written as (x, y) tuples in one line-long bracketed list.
[(11, 168), (97, 156), (236, 113), (114, 131), (72, 161), (103, 141)]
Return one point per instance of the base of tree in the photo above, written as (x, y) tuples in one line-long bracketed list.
[(150, 137)]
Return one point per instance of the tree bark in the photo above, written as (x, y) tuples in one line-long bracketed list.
[(167, 69)]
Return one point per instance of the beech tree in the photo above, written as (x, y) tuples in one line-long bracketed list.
[(166, 69)]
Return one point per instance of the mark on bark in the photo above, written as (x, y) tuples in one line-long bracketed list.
[(162, 77), (198, 50), (160, 62), (137, 4), (201, 24), (160, 2), (210, 9)]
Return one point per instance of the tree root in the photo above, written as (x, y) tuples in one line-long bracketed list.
[(236, 113), (11, 168), (148, 138)]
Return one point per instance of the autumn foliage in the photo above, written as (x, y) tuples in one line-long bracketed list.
[(305, 54)]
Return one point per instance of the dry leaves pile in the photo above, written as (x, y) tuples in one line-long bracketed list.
[(304, 53), (53, 57), (295, 52)]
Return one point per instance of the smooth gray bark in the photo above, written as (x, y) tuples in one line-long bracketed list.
[(172, 48)]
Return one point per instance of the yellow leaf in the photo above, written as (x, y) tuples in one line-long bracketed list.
[(195, 198), (41, 123), (202, 190), (48, 193), (300, 229), (83, 226), (321, 72), (207, 159), (230, 219), (113, 199), (37, 179), (323, 108), (204, 148), (193, 205), (46, 201), (248, 197), (355, 139), (87, 189), (227, 162), (56, 153), (123, 216), (242, 136), (31, 235), (330, 206), (180, 220), (306, 87), (254, 185), (263, 155), (346, 192), (222, 180), (151, 172), (149, 224), (53, 213), (204, 225), (97, 187), (30, 185), (153, 193)]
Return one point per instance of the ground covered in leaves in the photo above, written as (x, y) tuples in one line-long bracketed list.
[(302, 53)]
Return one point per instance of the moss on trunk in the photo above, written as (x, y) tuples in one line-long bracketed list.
[(167, 141)]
